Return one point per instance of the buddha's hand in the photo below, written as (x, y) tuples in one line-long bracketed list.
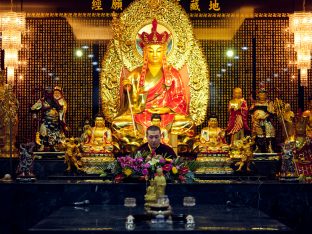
[(159, 110), (127, 85)]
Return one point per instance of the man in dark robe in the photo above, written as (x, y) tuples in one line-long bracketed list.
[(153, 145)]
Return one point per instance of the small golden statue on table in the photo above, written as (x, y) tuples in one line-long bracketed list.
[(212, 138), (72, 155), (156, 202), (213, 155), (244, 146), (97, 139), (97, 146)]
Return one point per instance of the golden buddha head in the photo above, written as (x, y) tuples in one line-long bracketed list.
[(156, 120), (237, 93), (99, 121), (213, 121), (155, 53), (71, 140), (154, 44), (159, 171)]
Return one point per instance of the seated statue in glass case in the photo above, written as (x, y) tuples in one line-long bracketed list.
[(101, 138), (212, 138)]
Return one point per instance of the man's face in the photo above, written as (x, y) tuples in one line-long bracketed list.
[(153, 138)]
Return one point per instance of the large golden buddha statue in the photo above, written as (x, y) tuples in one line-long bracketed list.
[(153, 65), (154, 88)]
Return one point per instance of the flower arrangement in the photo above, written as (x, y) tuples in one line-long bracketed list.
[(144, 165)]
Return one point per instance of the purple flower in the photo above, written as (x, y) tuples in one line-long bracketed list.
[(145, 171), (146, 165), (162, 160)]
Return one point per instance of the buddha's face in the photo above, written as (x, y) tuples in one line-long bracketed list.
[(262, 96), (237, 93), (213, 122), (155, 53), (156, 122), (99, 122)]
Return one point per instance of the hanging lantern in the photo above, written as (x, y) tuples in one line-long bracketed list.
[(300, 23), (12, 25)]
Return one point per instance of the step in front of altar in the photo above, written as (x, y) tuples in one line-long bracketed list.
[(214, 163), (96, 163)]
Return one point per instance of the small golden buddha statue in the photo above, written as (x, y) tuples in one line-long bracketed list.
[(154, 88), (150, 196), (72, 155), (308, 114), (212, 137), (245, 147), (160, 183), (101, 138)]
